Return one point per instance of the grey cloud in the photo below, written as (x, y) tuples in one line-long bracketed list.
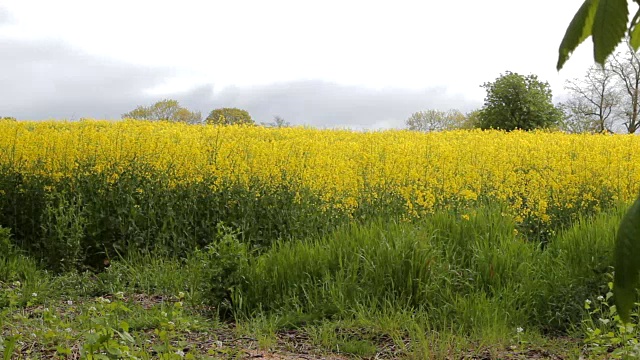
[(325, 104), (40, 80)]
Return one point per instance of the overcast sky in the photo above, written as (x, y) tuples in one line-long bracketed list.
[(346, 63)]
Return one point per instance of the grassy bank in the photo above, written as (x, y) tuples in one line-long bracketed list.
[(447, 285)]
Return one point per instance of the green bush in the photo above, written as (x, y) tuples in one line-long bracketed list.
[(218, 267)]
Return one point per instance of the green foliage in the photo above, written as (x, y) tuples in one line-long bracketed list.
[(606, 22), (6, 246), (166, 110), (229, 116), (446, 280), (429, 267), (515, 101), (14, 266), (436, 120), (579, 29), (474, 273), (609, 25), (472, 120), (605, 332), (7, 118), (627, 253), (90, 217), (220, 264), (63, 229)]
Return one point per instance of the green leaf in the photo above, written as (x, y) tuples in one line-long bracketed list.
[(634, 32), (609, 27), (124, 335), (579, 29), (9, 345), (635, 38), (627, 266), (124, 326)]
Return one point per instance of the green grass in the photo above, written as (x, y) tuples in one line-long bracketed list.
[(441, 287)]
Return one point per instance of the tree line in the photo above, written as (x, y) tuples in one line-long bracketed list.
[(170, 110), (605, 100)]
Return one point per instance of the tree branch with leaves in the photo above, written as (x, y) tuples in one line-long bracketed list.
[(607, 22)]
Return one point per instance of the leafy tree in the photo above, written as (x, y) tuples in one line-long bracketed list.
[(278, 122), (7, 118), (606, 22), (167, 110), (515, 101), (229, 116), (472, 120), (435, 120), (593, 103)]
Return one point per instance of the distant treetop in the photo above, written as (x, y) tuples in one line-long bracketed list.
[(167, 110), (229, 116)]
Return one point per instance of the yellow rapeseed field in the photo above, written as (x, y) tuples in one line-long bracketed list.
[(539, 175)]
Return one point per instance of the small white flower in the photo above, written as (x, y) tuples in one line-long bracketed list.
[(171, 323), (600, 298), (69, 302), (589, 329), (33, 335), (519, 330), (164, 314), (587, 302), (181, 294), (180, 353), (46, 310), (119, 295), (103, 300), (68, 330), (218, 343), (34, 294), (16, 283), (93, 308)]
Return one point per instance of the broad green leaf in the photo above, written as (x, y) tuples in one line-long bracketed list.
[(609, 27), (579, 29), (627, 261), (635, 38), (634, 32)]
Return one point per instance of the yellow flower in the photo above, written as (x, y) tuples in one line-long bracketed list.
[(539, 176)]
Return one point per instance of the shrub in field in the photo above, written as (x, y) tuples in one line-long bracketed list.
[(219, 267)]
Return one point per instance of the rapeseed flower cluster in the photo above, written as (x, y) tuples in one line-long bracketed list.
[(541, 177)]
